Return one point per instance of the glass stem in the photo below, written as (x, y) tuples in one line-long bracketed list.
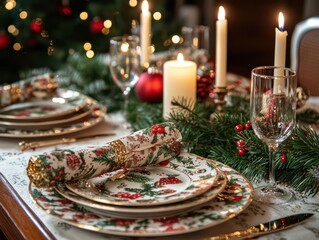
[(272, 149), (126, 93)]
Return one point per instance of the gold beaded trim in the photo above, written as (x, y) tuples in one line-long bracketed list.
[(37, 172), (120, 153)]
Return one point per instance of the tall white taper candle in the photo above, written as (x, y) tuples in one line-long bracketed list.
[(221, 48)]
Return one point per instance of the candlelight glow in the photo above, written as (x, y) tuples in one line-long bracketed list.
[(221, 13), (180, 57), (176, 39), (124, 47), (145, 6), (281, 21)]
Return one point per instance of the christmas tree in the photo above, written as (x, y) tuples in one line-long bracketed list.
[(37, 34)]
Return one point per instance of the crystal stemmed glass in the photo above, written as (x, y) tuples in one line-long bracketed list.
[(273, 116), (125, 65)]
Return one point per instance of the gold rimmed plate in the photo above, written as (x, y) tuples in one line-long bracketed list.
[(181, 178), (64, 102), (146, 212), (95, 117), (47, 124)]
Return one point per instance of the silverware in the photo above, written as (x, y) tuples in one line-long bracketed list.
[(265, 228), (33, 145)]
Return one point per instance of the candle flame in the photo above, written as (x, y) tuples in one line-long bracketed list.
[(145, 6), (221, 13), (281, 21), (180, 57)]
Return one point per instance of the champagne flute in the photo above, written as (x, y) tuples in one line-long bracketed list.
[(125, 65), (273, 116)]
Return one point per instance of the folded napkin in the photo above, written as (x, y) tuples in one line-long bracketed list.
[(145, 147), (39, 87)]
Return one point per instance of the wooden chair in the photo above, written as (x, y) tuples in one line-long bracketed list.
[(305, 54)]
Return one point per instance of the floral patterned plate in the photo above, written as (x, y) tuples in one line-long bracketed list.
[(91, 120), (46, 124), (232, 201), (182, 178), (145, 212), (65, 102)]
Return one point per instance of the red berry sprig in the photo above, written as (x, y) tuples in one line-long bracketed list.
[(240, 127), (158, 129)]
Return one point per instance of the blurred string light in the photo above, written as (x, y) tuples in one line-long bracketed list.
[(176, 39), (17, 46), (23, 14), (105, 31), (90, 54), (13, 30), (107, 23), (157, 16), (132, 3), (10, 4), (84, 15), (87, 46)]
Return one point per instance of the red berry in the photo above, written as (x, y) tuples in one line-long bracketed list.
[(239, 128), (248, 125), (154, 129), (242, 151), (160, 130), (240, 143), (283, 158)]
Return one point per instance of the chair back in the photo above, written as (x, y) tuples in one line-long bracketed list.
[(305, 54)]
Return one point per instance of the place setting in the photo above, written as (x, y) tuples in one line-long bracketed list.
[(47, 111), (148, 181)]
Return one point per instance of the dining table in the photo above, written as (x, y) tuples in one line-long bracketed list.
[(22, 218)]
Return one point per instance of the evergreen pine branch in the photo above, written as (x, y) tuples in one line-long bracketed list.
[(216, 139)]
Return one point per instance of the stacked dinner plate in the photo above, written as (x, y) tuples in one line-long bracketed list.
[(66, 112), (180, 195)]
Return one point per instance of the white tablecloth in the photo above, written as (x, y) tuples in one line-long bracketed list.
[(13, 164)]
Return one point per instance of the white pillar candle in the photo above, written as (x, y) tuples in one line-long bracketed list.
[(221, 49), (179, 79), (145, 34), (280, 52)]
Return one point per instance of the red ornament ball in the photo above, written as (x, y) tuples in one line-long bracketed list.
[(239, 128), (242, 151), (97, 25), (149, 87), (4, 41), (37, 25)]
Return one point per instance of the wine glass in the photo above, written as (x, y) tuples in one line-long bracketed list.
[(125, 65), (273, 116)]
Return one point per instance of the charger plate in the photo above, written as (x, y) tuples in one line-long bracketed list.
[(91, 120), (181, 178), (232, 201), (146, 212), (64, 102)]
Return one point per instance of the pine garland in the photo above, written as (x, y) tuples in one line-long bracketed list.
[(216, 139)]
